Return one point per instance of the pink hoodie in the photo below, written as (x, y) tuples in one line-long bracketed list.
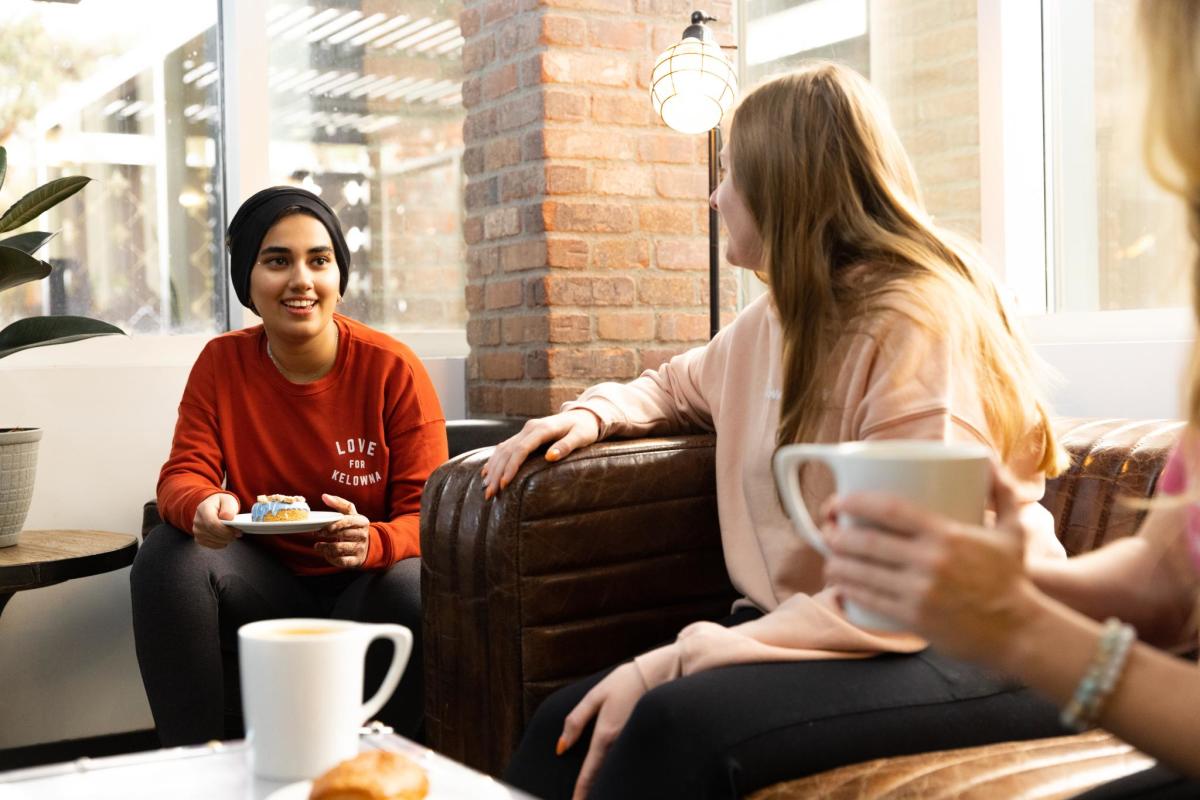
[(899, 380)]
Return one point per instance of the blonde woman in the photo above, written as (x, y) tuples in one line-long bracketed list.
[(1039, 623), (877, 326)]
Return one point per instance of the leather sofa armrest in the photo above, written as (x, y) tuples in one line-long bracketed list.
[(151, 519), (574, 567), (1112, 461)]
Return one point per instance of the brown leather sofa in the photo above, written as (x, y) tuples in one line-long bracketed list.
[(581, 564)]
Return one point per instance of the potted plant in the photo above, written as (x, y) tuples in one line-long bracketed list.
[(18, 265)]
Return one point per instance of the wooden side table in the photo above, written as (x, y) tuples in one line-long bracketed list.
[(44, 558)]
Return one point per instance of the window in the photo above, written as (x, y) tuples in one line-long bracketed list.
[(921, 55), (1044, 167), (1118, 241), (87, 93), (357, 100)]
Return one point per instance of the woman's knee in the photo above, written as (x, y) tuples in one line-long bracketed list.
[(165, 552), (667, 743), (170, 560), (393, 595), (401, 582)]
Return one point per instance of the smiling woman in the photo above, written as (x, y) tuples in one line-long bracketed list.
[(276, 407), (295, 288), (293, 275)]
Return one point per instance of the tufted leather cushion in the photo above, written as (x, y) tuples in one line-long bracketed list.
[(581, 564)]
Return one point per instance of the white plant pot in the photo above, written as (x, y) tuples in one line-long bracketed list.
[(18, 468)]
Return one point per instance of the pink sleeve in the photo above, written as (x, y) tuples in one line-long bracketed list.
[(1174, 475), (670, 399)]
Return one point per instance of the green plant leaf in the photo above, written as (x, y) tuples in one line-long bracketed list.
[(39, 200), (17, 267), (28, 242), (41, 331), (3, 165)]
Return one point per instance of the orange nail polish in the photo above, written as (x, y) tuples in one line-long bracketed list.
[(561, 746)]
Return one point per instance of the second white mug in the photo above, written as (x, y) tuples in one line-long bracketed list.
[(952, 479), (302, 688)]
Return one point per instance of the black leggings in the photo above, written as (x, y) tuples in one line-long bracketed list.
[(729, 731), (189, 601)]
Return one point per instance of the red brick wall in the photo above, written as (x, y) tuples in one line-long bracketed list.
[(586, 218)]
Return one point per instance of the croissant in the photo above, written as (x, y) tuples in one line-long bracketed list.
[(373, 775)]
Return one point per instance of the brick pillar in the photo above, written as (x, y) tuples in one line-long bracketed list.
[(586, 223)]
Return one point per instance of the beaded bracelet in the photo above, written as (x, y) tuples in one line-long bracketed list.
[(1101, 676)]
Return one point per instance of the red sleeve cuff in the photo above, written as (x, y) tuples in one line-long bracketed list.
[(379, 550), (186, 510)]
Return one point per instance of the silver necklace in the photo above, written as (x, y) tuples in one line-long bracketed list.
[(311, 376)]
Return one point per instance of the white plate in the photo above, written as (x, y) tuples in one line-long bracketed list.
[(316, 519), (293, 791)]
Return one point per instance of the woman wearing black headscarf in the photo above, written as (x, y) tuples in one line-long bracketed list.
[(308, 403)]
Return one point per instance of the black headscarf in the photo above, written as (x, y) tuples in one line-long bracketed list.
[(256, 216)]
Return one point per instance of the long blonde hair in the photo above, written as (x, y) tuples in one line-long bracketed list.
[(830, 187), (1171, 42)]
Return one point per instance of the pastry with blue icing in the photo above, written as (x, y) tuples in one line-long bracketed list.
[(279, 508)]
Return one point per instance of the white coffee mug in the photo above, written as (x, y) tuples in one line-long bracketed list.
[(951, 479), (302, 688)]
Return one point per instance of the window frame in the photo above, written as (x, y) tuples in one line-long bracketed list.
[(1014, 233)]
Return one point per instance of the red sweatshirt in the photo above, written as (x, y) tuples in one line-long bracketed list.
[(371, 431)]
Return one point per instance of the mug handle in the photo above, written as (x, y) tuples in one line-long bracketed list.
[(787, 459), (402, 638)]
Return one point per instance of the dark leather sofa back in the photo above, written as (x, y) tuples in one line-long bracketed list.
[(1111, 460)]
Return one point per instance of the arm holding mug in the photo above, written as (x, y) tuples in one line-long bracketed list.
[(964, 587), (1144, 579)]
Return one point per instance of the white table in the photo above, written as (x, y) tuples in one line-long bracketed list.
[(218, 771)]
